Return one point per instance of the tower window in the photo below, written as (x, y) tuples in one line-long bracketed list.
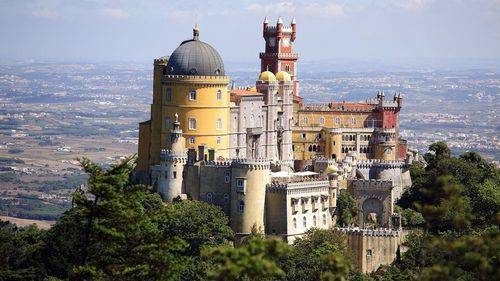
[(219, 95), (353, 121), (218, 140), (324, 219), (210, 197), (287, 68), (227, 177), (174, 175), (241, 206), (226, 198), (240, 185), (304, 221), (192, 124), (218, 124), (314, 221), (191, 140), (295, 223), (192, 95), (303, 136), (168, 95), (322, 120), (306, 120), (337, 121)]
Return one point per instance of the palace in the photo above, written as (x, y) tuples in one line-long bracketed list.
[(268, 159)]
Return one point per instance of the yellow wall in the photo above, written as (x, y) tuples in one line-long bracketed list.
[(206, 109)]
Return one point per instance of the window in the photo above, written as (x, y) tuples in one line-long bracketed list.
[(174, 175), (168, 95), (295, 223), (369, 253), (227, 177), (240, 185), (303, 136), (337, 121), (219, 95), (353, 121), (241, 206), (304, 221), (322, 120), (324, 219), (218, 140), (287, 68), (305, 120), (192, 95), (191, 140), (167, 123), (226, 198), (210, 197), (314, 221), (192, 124), (218, 124)]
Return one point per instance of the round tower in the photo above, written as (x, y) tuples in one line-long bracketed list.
[(169, 176), (248, 194)]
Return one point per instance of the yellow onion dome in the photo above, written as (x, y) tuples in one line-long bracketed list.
[(332, 169), (283, 76), (267, 76)]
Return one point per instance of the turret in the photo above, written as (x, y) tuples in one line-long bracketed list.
[(294, 29), (264, 26), (167, 177)]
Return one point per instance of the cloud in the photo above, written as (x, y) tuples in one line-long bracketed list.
[(307, 8), (46, 14), (180, 16), (117, 14), (412, 5)]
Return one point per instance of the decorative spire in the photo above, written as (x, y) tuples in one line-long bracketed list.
[(294, 21), (280, 20), (196, 32), (266, 20)]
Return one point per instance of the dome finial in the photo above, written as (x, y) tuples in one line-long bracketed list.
[(196, 32)]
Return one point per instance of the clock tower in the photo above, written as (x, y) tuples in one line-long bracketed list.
[(279, 55)]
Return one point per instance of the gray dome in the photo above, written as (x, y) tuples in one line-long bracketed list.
[(194, 57)]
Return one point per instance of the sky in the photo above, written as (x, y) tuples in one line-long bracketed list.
[(126, 30)]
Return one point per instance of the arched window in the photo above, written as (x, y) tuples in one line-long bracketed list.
[(314, 221), (287, 68), (310, 148), (314, 148), (218, 124), (337, 121), (294, 223), (322, 120), (304, 221), (324, 219), (306, 120), (226, 198), (192, 124), (192, 95), (241, 206), (219, 95), (210, 197)]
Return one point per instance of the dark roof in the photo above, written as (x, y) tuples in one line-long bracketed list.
[(194, 57)]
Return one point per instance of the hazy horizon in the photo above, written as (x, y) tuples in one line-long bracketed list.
[(123, 30)]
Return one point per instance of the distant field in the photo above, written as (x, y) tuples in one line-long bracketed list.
[(25, 222)]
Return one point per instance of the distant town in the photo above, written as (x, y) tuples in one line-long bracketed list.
[(53, 113)]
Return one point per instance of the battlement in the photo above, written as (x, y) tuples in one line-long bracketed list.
[(168, 155), (259, 163), (373, 183), (342, 107), (379, 232), (309, 183), (162, 60), (279, 55), (217, 164), (203, 79), (384, 164)]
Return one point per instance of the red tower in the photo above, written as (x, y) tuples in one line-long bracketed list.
[(279, 50)]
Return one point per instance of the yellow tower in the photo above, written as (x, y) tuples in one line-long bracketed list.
[(192, 84)]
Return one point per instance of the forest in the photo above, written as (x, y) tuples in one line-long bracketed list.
[(120, 231)]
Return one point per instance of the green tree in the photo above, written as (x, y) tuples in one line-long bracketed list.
[(256, 260), (347, 209), (319, 254)]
